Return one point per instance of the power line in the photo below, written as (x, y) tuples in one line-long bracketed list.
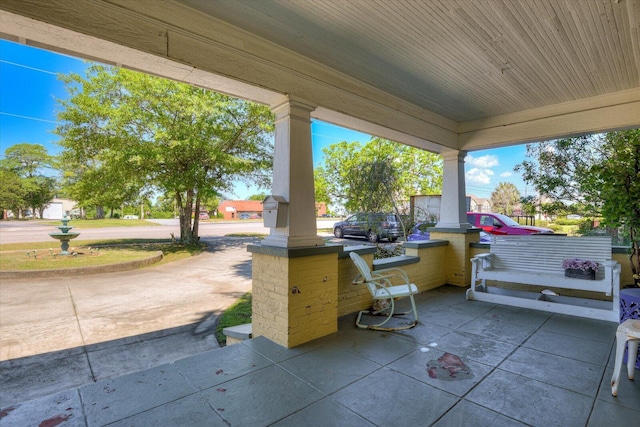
[(2, 113), (28, 67)]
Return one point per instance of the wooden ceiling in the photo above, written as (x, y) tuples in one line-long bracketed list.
[(462, 59), (436, 74)]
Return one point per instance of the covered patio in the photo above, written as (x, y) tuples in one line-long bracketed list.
[(446, 76), (466, 363)]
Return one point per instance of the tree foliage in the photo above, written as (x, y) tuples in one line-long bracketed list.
[(127, 134), (557, 169), (505, 198), (12, 192), (599, 173), (617, 178), (377, 176), (24, 183)]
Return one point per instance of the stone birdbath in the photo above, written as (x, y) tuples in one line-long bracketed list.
[(64, 235)]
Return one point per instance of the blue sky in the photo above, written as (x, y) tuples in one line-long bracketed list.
[(29, 87)]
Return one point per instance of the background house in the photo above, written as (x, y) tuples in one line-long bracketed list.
[(479, 204)]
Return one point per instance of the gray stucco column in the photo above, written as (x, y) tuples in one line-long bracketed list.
[(453, 211), (293, 175)]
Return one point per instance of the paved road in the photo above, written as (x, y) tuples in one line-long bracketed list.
[(34, 231)]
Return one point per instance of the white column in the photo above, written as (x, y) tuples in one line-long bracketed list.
[(453, 211), (293, 175)]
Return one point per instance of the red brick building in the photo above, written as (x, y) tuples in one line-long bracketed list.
[(233, 209), (246, 209)]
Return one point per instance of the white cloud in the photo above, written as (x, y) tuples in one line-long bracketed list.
[(478, 176), (506, 174), (487, 161)]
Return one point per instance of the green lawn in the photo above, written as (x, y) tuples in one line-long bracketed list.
[(40, 256)]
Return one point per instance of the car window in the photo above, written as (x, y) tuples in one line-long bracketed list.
[(486, 220), (508, 221)]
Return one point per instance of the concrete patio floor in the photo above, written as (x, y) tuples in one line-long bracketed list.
[(466, 363)]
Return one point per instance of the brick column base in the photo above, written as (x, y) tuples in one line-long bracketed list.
[(294, 293), (458, 253)]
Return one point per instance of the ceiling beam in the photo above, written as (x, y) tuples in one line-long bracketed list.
[(605, 113)]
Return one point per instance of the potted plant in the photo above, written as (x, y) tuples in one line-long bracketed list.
[(580, 268)]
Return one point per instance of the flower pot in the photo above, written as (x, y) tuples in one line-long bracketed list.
[(576, 273)]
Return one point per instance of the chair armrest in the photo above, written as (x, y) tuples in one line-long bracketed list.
[(389, 273), (483, 261)]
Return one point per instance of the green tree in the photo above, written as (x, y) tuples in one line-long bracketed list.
[(28, 160), (617, 178), (599, 172), (127, 133), (260, 197), (28, 163), (528, 204), (376, 176), (40, 192), (557, 168), (505, 198), (12, 192)]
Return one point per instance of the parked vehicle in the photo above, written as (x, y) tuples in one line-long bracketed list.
[(244, 216), (419, 232), (373, 226), (203, 215), (494, 223)]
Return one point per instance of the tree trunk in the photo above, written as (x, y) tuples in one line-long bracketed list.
[(196, 219), (185, 207), (99, 212)]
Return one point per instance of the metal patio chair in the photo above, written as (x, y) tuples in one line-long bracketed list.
[(628, 334), (381, 285)]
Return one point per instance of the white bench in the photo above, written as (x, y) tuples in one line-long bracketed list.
[(537, 260)]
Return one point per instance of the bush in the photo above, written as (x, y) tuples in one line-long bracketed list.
[(388, 252), (564, 221), (162, 215)]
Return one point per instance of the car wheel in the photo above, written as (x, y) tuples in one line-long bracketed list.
[(338, 233), (372, 237)]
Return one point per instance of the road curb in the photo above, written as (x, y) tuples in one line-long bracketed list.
[(82, 271)]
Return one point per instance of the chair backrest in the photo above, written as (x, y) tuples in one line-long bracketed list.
[(362, 266), (545, 253)]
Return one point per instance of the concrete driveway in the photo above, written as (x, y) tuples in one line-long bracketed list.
[(62, 332)]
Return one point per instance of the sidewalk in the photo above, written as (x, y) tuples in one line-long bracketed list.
[(60, 333)]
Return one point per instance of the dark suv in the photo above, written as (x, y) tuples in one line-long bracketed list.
[(373, 226)]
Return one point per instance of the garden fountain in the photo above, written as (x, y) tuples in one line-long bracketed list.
[(64, 235)]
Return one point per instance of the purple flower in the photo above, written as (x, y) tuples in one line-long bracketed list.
[(580, 264)]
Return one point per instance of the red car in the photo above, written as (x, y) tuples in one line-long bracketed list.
[(494, 223)]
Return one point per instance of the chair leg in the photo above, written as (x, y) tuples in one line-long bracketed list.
[(415, 311), (632, 355), (380, 326), (621, 340)]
